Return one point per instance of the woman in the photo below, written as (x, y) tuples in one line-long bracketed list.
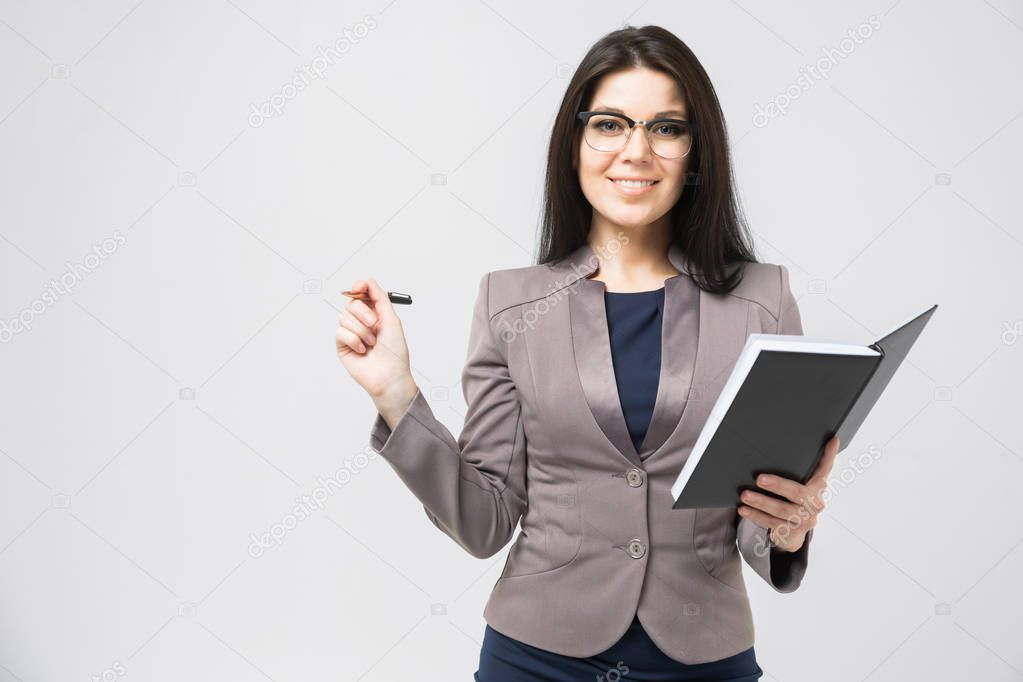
[(577, 423)]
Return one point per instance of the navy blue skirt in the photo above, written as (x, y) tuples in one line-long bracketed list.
[(633, 657)]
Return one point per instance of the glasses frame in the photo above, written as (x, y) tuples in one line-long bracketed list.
[(585, 117)]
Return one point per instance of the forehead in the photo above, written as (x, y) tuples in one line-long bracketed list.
[(638, 92)]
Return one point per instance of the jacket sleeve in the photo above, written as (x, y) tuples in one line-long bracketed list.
[(782, 570), (472, 489)]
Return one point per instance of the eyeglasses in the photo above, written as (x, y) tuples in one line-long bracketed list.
[(606, 131)]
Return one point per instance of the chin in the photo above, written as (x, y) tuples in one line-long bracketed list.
[(638, 216)]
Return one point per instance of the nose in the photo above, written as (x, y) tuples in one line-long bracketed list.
[(637, 148)]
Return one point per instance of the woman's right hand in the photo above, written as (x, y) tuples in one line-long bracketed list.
[(371, 345)]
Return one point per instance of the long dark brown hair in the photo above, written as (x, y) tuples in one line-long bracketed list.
[(707, 221)]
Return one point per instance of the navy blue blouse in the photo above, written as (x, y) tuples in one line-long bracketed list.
[(634, 326)]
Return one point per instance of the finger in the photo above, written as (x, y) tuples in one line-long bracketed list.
[(348, 338), (349, 321), (791, 490), (363, 312), (823, 468), (762, 519), (378, 298), (802, 496), (814, 503), (780, 527), (770, 505)]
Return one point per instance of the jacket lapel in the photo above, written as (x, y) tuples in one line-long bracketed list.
[(681, 331), (680, 338)]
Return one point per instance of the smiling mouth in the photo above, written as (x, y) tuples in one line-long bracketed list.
[(634, 184)]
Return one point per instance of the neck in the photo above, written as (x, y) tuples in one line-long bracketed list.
[(631, 254)]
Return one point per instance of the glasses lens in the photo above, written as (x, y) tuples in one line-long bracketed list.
[(671, 140), (606, 133)]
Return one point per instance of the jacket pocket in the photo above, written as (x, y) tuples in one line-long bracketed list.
[(562, 548), (714, 545), (713, 529), (526, 558), (551, 537)]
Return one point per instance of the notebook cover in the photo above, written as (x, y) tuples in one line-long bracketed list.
[(784, 432)]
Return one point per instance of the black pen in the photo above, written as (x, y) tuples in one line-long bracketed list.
[(393, 296)]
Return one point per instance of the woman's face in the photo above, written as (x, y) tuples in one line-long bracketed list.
[(641, 94)]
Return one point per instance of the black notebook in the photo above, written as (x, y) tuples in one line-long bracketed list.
[(785, 398)]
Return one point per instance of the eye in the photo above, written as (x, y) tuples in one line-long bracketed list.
[(609, 125), (670, 130)]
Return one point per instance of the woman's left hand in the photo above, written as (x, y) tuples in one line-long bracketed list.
[(789, 522)]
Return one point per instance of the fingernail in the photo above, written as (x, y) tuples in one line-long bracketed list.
[(765, 480)]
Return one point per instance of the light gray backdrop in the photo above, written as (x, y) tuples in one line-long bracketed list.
[(186, 489)]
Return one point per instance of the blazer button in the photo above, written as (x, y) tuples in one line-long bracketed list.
[(636, 548), (634, 477)]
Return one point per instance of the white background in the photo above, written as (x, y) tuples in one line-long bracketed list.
[(185, 391)]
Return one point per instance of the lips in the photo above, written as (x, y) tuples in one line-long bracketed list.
[(634, 181), (633, 188)]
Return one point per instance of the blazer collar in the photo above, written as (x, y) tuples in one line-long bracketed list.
[(680, 338)]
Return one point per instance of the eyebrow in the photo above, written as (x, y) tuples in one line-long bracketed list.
[(676, 112)]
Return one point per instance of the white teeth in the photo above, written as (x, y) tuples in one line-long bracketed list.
[(634, 183)]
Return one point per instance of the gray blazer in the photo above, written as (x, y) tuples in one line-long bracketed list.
[(545, 442)]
